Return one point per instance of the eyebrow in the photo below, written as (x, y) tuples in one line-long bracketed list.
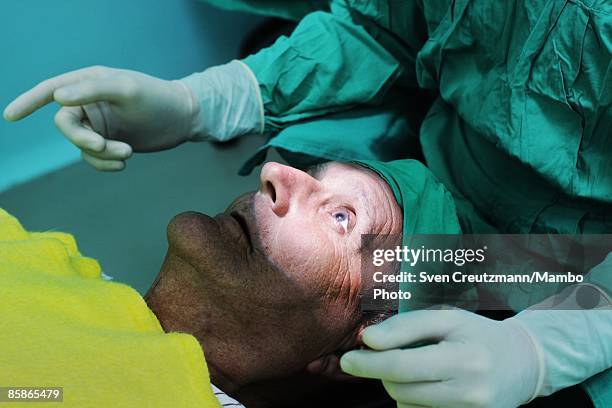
[(317, 170)]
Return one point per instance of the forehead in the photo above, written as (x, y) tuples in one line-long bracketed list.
[(349, 176)]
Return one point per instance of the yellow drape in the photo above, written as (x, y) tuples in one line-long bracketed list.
[(61, 325)]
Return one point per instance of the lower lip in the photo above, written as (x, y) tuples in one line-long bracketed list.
[(243, 226)]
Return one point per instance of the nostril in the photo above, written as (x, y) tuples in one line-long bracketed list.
[(271, 190)]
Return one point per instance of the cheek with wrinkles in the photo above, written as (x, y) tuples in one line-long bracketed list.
[(297, 248), (346, 275), (324, 266), (304, 253)]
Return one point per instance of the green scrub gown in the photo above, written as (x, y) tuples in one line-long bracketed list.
[(290, 10), (524, 98), (520, 131)]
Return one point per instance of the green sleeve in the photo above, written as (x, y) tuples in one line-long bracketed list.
[(599, 389), (290, 10), (335, 60)]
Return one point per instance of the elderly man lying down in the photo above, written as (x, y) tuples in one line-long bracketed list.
[(272, 285), (518, 131), (263, 291), (261, 300)]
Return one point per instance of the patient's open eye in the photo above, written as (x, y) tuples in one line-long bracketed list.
[(342, 217)]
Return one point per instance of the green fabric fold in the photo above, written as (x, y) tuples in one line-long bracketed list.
[(428, 207)]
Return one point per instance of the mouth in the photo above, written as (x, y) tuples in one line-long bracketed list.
[(244, 226)]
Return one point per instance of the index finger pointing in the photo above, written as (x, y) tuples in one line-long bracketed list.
[(42, 94)]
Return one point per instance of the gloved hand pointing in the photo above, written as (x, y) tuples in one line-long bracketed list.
[(108, 113), (472, 361)]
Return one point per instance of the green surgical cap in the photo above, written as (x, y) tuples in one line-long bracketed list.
[(427, 205)]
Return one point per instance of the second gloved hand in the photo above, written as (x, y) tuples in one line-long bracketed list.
[(470, 361)]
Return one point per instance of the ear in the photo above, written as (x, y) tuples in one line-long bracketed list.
[(328, 366)]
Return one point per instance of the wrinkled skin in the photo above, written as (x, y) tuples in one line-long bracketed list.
[(272, 285)]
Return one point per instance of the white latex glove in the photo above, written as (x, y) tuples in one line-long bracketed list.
[(472, 361), (230, 101), (108, 112), (575, 340)]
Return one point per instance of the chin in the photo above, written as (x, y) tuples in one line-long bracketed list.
[(188, 231)]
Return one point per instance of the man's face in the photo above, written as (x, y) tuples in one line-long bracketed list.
[(273, 283), (310, 225)]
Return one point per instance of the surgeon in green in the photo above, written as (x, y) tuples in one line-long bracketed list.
[(518, 132)]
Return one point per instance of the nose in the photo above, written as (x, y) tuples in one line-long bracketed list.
[(285, 186)]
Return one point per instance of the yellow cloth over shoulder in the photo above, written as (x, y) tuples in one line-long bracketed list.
[(61, 325)]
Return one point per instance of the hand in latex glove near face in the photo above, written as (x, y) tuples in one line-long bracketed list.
[(472, 361), (108, 113)]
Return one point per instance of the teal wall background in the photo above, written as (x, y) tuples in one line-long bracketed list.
[(119, 218), (40, 39)]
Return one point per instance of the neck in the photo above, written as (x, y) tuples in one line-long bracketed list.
[(221, 380), (218, 377)]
